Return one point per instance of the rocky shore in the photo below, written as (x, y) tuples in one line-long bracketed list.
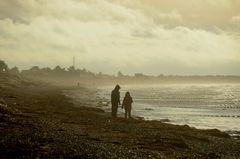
[(39, 121)]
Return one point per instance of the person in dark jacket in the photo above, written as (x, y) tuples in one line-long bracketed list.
[(127, 105), (115, 100)]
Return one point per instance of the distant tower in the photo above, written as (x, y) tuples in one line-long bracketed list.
[(73, 62)]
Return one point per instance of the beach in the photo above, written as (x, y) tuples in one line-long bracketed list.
[(40, 121), (204, 106)]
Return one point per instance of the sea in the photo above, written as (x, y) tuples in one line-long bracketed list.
[(203, 106)]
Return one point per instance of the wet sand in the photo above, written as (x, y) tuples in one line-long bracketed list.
[(40, 121)]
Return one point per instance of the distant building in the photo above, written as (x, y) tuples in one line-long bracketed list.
[(140, 75)]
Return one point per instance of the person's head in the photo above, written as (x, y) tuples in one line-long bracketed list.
[(117, 87), (127, 94)]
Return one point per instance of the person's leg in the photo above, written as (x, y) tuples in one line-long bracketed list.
[(114, 111), (129, 113), (126, 113)]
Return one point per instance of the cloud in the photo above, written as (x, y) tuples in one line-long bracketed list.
[(108, 36), (235, 20)]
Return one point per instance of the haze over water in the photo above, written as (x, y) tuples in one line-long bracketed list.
[(200, 106)]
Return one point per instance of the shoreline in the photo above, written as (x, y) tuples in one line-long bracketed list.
[(104, 104), (148, 110), (39, 121)]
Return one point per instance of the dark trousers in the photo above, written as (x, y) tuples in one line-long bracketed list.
[(128, 112), (114, 110)]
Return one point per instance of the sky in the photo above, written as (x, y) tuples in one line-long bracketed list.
[(194, 37)]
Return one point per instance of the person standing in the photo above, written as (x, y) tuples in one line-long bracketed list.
[(115, 100), (127, 105)]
